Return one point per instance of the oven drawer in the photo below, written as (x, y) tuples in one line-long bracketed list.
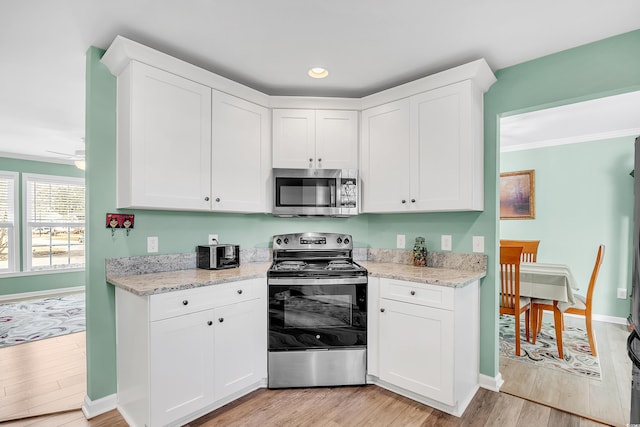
[(171, 304), (417, 293)]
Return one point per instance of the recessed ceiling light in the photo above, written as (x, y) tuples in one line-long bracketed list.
[(318, 73)]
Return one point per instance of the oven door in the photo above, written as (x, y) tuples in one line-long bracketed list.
[(317, 316)]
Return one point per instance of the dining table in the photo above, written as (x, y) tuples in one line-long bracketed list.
[(553, 282)]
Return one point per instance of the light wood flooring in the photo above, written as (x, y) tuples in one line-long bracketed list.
[(43, 376), (607, 400), (347, 406)]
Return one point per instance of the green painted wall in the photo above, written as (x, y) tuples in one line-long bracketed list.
[(591, 71), (38, 282), (579, 205), (601, 68)]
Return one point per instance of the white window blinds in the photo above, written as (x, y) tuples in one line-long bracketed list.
[(7, 199), (54, 200)]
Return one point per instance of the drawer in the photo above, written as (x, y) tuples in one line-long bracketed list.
[(417, 293), (177, 303)]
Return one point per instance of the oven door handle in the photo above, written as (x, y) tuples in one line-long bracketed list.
[(301, 281)]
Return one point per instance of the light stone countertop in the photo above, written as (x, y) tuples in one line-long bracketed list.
[(168, 281), (433, 276)]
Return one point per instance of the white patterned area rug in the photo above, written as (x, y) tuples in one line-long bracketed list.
[(36, 319), (577, 360)]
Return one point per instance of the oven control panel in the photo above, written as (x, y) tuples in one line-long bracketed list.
[(302, 241)]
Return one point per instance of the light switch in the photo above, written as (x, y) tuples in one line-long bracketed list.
[(478, 244), (445, 242)]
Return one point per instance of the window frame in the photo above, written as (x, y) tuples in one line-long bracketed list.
[(27, 248), (13, 253)]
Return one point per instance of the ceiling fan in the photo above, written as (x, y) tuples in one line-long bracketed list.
[(77, 157)]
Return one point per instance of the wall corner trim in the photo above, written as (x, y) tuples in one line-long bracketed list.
[(93, 408)]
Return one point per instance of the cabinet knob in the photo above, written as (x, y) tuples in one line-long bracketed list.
[(310, 159), (319, 160), (413, 292), (206, 199), (240, 291), (413, 200), (382, 310), (217, 199), (185, 302), (404, 201), (221, 319), (209, 323)]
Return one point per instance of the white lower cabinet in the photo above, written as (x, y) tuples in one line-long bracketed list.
[(427, 345), (183, 354)]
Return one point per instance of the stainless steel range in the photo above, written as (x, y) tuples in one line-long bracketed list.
[(317, 312)]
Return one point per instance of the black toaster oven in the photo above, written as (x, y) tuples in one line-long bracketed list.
[(216, 257)]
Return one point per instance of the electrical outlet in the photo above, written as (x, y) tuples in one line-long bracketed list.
[(152, 244), (445, 242), (478, 244), (213, 239), (400, 241), (622, 293)]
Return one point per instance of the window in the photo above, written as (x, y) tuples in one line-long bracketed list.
[(54, 225), (8, 212)]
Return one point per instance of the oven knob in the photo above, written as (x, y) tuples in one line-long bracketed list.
[(317, 336), (339, 240), (286, 241), (346, 240), (278, 241)]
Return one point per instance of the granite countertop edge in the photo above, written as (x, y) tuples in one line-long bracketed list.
[(177, 280), (428, 275)]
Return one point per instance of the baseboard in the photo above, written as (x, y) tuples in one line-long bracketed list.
[(491, 383), (39, 294), (93, 408)]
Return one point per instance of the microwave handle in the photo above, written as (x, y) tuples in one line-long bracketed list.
[(333, 190)]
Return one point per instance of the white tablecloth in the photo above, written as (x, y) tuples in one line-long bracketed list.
[(548, 281)]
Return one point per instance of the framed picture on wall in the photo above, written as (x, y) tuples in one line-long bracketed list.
[(517, 195)]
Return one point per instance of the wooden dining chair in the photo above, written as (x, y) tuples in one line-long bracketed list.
[(510, 300), (529, 248), (582, 306)]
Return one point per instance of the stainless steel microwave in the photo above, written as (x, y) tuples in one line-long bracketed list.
[(315, 192)]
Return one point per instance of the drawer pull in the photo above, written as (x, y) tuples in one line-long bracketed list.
[(209, 323), (185, 302), (240, 291), (221, 319), (413, 292)]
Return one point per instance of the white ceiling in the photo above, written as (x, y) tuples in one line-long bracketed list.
[(367, 45), (597, 119)]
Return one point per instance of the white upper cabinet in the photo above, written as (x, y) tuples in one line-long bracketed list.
[(241, 153), (424, 153), (184, 146), (385, 155), (164, 140), (447, 149), (322, 139)]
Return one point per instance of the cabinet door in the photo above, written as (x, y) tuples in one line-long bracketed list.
[(294, 133), (416, 349), (336, 139), (164, 158), (181, 366), (240, 346), (446, 150), (241, 155), (385, 158)]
